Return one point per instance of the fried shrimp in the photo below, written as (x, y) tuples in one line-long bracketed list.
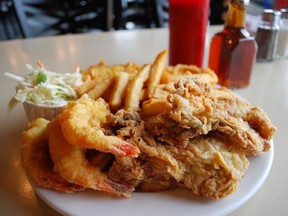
[(36, 158), (81, 123), (70, 162)]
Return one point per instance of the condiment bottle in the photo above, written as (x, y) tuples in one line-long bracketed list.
[(267, 35), (282, 48), (233, 50), (188, 20)]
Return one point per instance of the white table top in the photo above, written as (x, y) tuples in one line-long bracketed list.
[(268, 89)]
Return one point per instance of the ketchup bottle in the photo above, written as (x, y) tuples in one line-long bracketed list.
[(233, 50), (188, 21)]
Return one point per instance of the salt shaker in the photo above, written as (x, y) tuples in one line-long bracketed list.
[(267, 35), (282, 48)]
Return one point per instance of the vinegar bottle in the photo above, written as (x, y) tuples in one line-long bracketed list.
[(233, 50)]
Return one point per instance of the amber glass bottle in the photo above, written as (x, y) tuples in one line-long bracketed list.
[(233, 50)]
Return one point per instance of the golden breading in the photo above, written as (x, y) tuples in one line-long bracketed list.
[(35, 158), (152, 128)]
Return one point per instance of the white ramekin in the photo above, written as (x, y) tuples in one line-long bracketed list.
[(34, 111)]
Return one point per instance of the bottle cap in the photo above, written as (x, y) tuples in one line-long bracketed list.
[(242, 2), (270, 15), (284, 13)]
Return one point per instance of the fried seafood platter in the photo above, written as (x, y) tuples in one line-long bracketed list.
[(147, 128)]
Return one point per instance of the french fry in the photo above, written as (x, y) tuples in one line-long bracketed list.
[(133, 94), (132, 68), (86, 87), (118, 91), (167, 75), (154, 106), (100, 87), (96, 74), (160, 93), (100, 71), (156, 72)]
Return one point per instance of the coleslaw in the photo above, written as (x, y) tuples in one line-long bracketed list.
[(43, 87)]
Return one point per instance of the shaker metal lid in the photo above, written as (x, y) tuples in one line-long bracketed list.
[(270, 15), (284, 13), (242, 2)]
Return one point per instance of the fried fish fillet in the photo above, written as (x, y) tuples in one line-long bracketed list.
[(201, 109), (201, 143), (207, 166)]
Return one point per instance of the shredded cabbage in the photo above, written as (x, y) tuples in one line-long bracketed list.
[(44, 87)]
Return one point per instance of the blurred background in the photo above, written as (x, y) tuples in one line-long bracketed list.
[(36, 18)]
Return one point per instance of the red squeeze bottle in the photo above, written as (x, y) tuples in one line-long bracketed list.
[(188, 21)]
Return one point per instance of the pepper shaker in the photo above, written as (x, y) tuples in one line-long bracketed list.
[(267, 35), (282, 49)]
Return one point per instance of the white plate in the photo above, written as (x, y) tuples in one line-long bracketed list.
[(169, 203)]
